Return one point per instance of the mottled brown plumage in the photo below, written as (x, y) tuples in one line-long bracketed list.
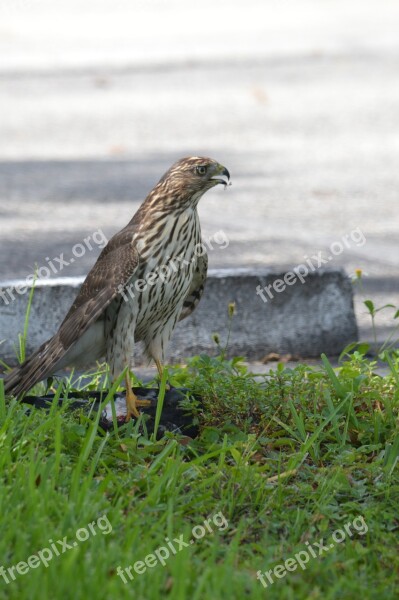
[(114, 308)]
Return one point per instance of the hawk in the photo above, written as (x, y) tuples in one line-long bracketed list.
[(126, 297)]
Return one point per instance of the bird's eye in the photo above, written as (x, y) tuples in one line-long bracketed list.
[(201, 170)]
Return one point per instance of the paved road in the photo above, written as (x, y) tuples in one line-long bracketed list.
[(299, 99)]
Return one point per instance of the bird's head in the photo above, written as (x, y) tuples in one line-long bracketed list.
[(189, 178)]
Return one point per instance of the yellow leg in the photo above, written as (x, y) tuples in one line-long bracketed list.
[(132, 402), (160, 372), (160, 368)]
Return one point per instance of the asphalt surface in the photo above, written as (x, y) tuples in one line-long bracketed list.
[(300, 101)]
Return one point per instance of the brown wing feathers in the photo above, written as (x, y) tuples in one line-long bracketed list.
[(114, 267)]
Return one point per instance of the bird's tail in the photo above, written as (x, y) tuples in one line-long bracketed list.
[(35, 368)]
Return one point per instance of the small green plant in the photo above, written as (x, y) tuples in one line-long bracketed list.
[(231, 311), (373, 311), (21, 353)]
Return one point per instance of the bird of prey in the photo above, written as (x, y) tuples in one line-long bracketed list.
[(106, 318)]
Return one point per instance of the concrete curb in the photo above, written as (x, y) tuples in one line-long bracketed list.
[(305, 319)]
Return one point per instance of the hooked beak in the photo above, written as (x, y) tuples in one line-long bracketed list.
[(222, 176)]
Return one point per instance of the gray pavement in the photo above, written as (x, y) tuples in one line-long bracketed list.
[(299, 100)]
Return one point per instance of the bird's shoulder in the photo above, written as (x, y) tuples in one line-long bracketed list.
[(115, 265)]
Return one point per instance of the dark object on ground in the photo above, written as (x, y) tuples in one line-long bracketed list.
[(174, 418)]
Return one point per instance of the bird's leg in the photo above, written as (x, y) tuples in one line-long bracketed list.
[(159, 367), (132, 402), (160, 373)]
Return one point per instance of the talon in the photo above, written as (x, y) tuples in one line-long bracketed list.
[(132, 402), (146, 403), (131, 405)]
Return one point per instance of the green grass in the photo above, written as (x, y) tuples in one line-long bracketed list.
[(285, 460)]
